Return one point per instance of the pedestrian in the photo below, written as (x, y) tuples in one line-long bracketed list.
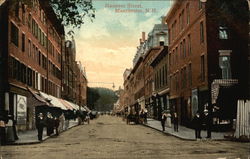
[(50, 124), (163, 120), (208, 122), (145, 115), (2, 132), (3, 122), (40, 123), (56, 125), (87, 118), (175, 121), (142, 116), (61, 123), (197, 123)]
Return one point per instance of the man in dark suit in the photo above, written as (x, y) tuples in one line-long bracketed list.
[(40, 123)]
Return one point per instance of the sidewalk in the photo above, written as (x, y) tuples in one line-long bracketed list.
[(184, 132), (30, 137)]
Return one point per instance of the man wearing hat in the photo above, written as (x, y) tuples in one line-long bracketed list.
[(208, 122), (40, 123)]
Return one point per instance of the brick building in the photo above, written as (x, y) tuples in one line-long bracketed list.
[(160, 82), (81, 85), (149, 79), (69, 69), (205, 45), (32, 41), (138, 84)]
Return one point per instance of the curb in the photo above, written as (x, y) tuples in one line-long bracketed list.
[(167, 133), (37, 142), (182, 138)]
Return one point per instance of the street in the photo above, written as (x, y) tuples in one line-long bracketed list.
[(110, 137)]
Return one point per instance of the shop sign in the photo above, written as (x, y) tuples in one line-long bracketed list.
[(21, 109)]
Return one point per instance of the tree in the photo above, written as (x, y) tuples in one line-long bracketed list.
[(71, 13), (92, 97)]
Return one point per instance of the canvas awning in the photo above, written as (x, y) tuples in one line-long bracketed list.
[(66, 104), (36, 100), (74, 106), (54, 101)]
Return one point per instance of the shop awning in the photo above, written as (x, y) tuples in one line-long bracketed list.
[(67, 105), (54, 101), (36, 100), (74, 106)]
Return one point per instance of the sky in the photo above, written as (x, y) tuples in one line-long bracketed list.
[(107, 45)]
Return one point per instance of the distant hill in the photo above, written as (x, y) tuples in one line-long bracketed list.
[(101, 99)]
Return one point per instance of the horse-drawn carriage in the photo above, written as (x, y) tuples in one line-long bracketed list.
[(132, 118)]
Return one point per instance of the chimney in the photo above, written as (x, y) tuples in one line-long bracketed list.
[(143, 36)]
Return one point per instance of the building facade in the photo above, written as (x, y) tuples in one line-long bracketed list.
[(31, 57), (204, 46), (160, 82), (139, 83)]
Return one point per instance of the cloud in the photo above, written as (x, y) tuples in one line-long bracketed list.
[(107, 46)]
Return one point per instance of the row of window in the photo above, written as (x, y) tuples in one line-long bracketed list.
[(161, 77), (26, 75), (182, 79), (37, 31), (180, 52), (173, 32), (34, 53)]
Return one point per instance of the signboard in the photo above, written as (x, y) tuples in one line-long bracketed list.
[(21, 109), (194, 101)]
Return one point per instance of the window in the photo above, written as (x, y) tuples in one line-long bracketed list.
[(14, 34), (33, 26), (188, 14), (39, 35), (223, 32), (166, 75), (189, 45), (182, 19), (224, 62), (23, 42), (29, 21), (181, 55), (23, 13), (180, 22), (176, 50), (176, 56), (33, 51), (190, 74), (202, 68), (29, 48), (201, 32), (184, 48)]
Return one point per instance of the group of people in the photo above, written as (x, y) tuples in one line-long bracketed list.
[(143, 116), (48, 121), (168, 117), (198, 121)]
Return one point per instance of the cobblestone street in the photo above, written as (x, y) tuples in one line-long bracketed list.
[(110, 137)]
